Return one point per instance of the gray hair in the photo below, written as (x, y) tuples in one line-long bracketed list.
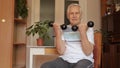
[(74, 4)]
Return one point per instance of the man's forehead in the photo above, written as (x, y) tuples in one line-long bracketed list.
[(74, 8)]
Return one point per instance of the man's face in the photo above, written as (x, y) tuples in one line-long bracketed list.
[(74, 15)]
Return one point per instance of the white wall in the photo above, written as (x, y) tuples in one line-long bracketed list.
[(59, 11), (33, 16), (91, 11)]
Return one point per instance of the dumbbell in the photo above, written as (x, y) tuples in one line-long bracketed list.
[(63, 26), (74, 27), (89, 24)]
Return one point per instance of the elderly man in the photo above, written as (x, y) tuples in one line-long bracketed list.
[(75, 47)]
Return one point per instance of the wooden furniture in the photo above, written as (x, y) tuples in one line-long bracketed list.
[(12, 36), (19, 42), (111, 40), (110, 26), (111, 56), (103, 7), (97, 49), (6, 32), (37, 51), (108, 7)]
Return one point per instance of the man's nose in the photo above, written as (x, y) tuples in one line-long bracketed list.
[(74, 15)]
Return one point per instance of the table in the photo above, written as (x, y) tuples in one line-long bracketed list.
[(39, 50)]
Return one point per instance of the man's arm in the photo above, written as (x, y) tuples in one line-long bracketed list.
[(87, 47), (60, 44)]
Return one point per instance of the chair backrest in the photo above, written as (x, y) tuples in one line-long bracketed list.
[(97, 49)]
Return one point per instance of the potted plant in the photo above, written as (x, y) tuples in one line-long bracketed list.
[(21, 8), (40, 28)]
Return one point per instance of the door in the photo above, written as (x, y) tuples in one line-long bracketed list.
[(6, 32)]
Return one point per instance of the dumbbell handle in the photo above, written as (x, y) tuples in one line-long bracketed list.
[(89, 24), (63, 26), (74, 28)]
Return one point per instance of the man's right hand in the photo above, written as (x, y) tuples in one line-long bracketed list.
[(57, 29)]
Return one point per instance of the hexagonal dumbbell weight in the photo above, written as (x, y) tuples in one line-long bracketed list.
[(89, 24), (63, 26)]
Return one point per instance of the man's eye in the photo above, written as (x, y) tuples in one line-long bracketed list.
[(77, 13), (71, 13)]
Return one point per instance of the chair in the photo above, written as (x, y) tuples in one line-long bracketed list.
[(97, 49), (96, 52)]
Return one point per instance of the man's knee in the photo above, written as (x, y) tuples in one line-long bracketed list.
[(83, 64), (57, 63), (46, 65)]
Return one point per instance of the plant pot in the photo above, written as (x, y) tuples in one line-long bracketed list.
[(40, 42), (20, 17)]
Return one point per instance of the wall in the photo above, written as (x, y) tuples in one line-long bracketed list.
[(91, 11)]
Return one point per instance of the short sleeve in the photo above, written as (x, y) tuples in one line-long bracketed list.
[(63, 37), (90, 35)]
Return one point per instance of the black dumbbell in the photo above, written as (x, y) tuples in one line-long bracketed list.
[(51, 23), (89, 24), (63, 26)]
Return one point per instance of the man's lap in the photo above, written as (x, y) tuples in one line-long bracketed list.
[(60, 63)]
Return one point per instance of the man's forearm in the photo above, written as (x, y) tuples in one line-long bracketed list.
[(60, 44), (87, 47)]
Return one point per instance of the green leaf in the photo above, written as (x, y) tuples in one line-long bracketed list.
[(29, 27)]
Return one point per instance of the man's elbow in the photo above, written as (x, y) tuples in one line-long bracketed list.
[(61, 52), (88, 53)]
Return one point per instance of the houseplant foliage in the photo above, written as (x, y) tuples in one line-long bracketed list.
[(40, 28), (21, 8)]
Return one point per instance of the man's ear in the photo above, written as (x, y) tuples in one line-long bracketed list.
[(67, 16)]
